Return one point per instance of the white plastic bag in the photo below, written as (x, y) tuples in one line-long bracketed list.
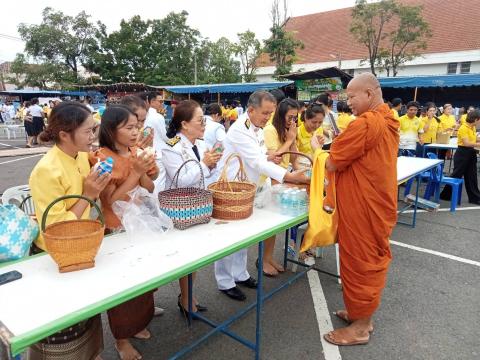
[(142, 213), (263, 196)]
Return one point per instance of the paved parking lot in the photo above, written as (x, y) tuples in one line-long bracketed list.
[(430, 307)]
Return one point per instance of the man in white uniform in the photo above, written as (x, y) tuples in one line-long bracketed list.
[(245, 137), (156, 121)]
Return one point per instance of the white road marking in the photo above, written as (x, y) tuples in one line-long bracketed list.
[(23, 158), (15, 147), (437, 253), (330, 351), (443, 210)]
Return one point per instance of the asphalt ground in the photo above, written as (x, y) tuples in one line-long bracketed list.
[(430, 306)]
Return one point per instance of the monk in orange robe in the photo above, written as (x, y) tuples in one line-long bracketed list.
[(364, 157)]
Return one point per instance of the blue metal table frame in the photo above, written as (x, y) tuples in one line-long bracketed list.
[(261, 297)]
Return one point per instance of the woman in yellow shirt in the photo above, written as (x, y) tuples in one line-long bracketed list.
[(279, 137), (447, 120), (344, 115), (465, 159), (311, 125), (65, 170), (430, 124)]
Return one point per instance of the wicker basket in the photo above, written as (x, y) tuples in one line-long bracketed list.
[(443, 137), (187, 206), (233, 200), (73, 244)]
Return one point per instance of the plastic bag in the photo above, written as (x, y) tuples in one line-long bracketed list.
[(263, 195), (142, 213)]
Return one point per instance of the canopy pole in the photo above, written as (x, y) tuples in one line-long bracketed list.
[(415, 95), (218, 98), (188, 96)]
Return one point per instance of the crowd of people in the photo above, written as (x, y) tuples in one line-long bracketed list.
[(269, 135)]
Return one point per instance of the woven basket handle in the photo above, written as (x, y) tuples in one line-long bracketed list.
[(298, 154), (93, 203), (177, 174), (241, 173)]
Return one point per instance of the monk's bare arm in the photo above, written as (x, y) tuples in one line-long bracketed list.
[(330, 166)]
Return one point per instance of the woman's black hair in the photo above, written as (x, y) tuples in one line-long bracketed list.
[(473, 116), (213, 109), (68, 116), (279, 121), (114, 116), (183, 112), (312, 111)]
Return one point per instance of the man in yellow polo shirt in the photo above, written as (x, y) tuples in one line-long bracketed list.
[(396, 106), (410, 128)]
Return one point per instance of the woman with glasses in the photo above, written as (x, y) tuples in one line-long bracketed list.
[(311, 125), (280, 136), (185, 131)]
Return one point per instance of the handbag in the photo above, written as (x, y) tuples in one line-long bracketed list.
[(322, 224), (17, 232)]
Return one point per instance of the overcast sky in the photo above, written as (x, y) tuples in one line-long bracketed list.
[(213, 18)]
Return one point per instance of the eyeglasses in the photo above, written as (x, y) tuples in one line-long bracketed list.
[(292, 117)]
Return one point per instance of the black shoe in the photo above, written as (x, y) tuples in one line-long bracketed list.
[(185, 311), (249, 283), (201, 308), (235, 293)]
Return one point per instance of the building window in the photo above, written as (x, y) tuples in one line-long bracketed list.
[(465, 67), (452, 68)]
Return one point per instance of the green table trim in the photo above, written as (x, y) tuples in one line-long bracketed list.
[(21, 342)]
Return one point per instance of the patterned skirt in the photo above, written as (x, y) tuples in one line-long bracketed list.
[(82, 341)]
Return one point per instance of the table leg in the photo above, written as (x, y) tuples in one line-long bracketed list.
[(416, 201), (190, 298), (285, 250), (258, 332)]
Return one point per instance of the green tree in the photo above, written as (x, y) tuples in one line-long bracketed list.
[(217, 63), (282, 45), (59, 40), (392, 32), (248, 49), (368, 26)]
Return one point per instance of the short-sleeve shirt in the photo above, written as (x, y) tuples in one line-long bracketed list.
[(446, 122), (273, 143), (430, 136), (55, 175), (466, 131), (409, 129)]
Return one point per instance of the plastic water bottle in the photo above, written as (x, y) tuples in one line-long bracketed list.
[(295, 202), (303, 205), (105, 166), (285, 202)]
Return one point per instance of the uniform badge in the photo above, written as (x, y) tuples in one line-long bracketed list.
[(247, 123), (173, 141)]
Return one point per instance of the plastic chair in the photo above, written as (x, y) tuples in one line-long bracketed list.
[(437, 179), (19, 196)]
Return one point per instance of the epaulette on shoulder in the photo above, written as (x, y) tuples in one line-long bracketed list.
[(247, 123), (173, 141)]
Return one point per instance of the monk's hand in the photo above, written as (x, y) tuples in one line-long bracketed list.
[(297, 177), (317, 142), (275, 158)]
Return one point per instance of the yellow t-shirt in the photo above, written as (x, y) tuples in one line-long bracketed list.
[(463, 119), (395, 114), (299, 121), (55, 175), (446, 122), (409, 129), (272, 142), (430, 136), (303, 139), (344, 120), (466, 131), (270, 121)]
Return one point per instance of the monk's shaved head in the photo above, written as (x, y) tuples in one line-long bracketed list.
[(364, 93)]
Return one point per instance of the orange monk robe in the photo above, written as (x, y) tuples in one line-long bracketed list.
[(365, 155)]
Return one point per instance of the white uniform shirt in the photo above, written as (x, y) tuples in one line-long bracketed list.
[(157, 122), (35, 111), (175, 153), (214, 132), (246, 139)]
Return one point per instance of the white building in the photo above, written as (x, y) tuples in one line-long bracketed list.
[(454, 47)]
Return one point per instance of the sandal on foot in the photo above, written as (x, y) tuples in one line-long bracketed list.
[(345, 343)]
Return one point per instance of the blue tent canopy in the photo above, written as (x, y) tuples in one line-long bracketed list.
[(431, 81), (225, 88), (44, 92)]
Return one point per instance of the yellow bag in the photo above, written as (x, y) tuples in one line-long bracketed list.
[(322, 225)]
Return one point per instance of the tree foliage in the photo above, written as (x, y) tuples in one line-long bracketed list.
[(60, 39), (248, 49), (392, 32), (282, 45)]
